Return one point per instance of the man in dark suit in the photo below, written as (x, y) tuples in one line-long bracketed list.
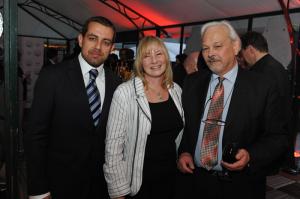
[(248, 119), (64, 142), (256, 54)]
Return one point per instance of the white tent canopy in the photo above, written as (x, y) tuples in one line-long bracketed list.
[(62, 19), (33, 20)]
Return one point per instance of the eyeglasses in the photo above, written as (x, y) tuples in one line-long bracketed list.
[(212, 121)]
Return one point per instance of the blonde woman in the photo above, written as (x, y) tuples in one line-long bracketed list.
[(145, 123)]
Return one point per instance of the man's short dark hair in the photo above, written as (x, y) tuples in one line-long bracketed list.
[(101, 20), (255, 39)]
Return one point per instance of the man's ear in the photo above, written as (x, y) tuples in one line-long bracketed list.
[(236, 47), (80, 38)]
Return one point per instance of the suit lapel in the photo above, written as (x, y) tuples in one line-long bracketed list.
[(177, 100), (237, 104), (77, 84), (108, 94), (200, 98), (76, 79), (196, 103), (141, 97)]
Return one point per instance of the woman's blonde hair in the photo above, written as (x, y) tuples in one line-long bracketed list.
[(140, 54)]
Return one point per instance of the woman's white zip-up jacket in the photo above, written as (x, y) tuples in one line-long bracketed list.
[(129, 124)]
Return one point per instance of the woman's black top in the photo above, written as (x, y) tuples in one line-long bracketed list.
[(160, 155)]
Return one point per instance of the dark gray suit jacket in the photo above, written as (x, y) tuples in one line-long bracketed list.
[(65, 152), (270, 68)]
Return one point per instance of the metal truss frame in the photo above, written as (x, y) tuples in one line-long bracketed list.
[(50, 12), (136, 18)]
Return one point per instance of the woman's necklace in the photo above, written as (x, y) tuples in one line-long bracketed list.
[(157, 93)]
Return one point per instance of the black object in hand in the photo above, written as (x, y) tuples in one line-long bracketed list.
[(229, 152)]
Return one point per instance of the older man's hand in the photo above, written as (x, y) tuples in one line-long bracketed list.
[(185, 163), (243, 159)]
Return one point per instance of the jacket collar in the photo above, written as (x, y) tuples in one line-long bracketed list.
[(141, 97)]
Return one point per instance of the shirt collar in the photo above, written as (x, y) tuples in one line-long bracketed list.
[(85, 67), (230, 75)]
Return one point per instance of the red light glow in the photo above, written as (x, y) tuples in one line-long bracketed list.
[(150, 13), (149, 33), (297, 154)]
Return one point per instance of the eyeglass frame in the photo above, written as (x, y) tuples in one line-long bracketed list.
[(212, 121)]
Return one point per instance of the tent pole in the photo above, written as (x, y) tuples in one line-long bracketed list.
[(11, 99)]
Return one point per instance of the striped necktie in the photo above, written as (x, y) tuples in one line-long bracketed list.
[(94, 96), (209, 146)]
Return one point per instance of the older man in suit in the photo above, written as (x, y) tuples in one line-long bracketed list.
[(226, 106), (67, 123)]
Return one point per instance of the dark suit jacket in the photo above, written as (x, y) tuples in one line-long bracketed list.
[(179, 74), (253, 120), (65, 152), (270, 68)]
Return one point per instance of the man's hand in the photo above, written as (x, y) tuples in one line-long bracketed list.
[(42, 196), (185, 163), (242, 157), (47, 197)]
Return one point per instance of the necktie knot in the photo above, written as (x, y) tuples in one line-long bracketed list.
[(221, 79), (93, 74)]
